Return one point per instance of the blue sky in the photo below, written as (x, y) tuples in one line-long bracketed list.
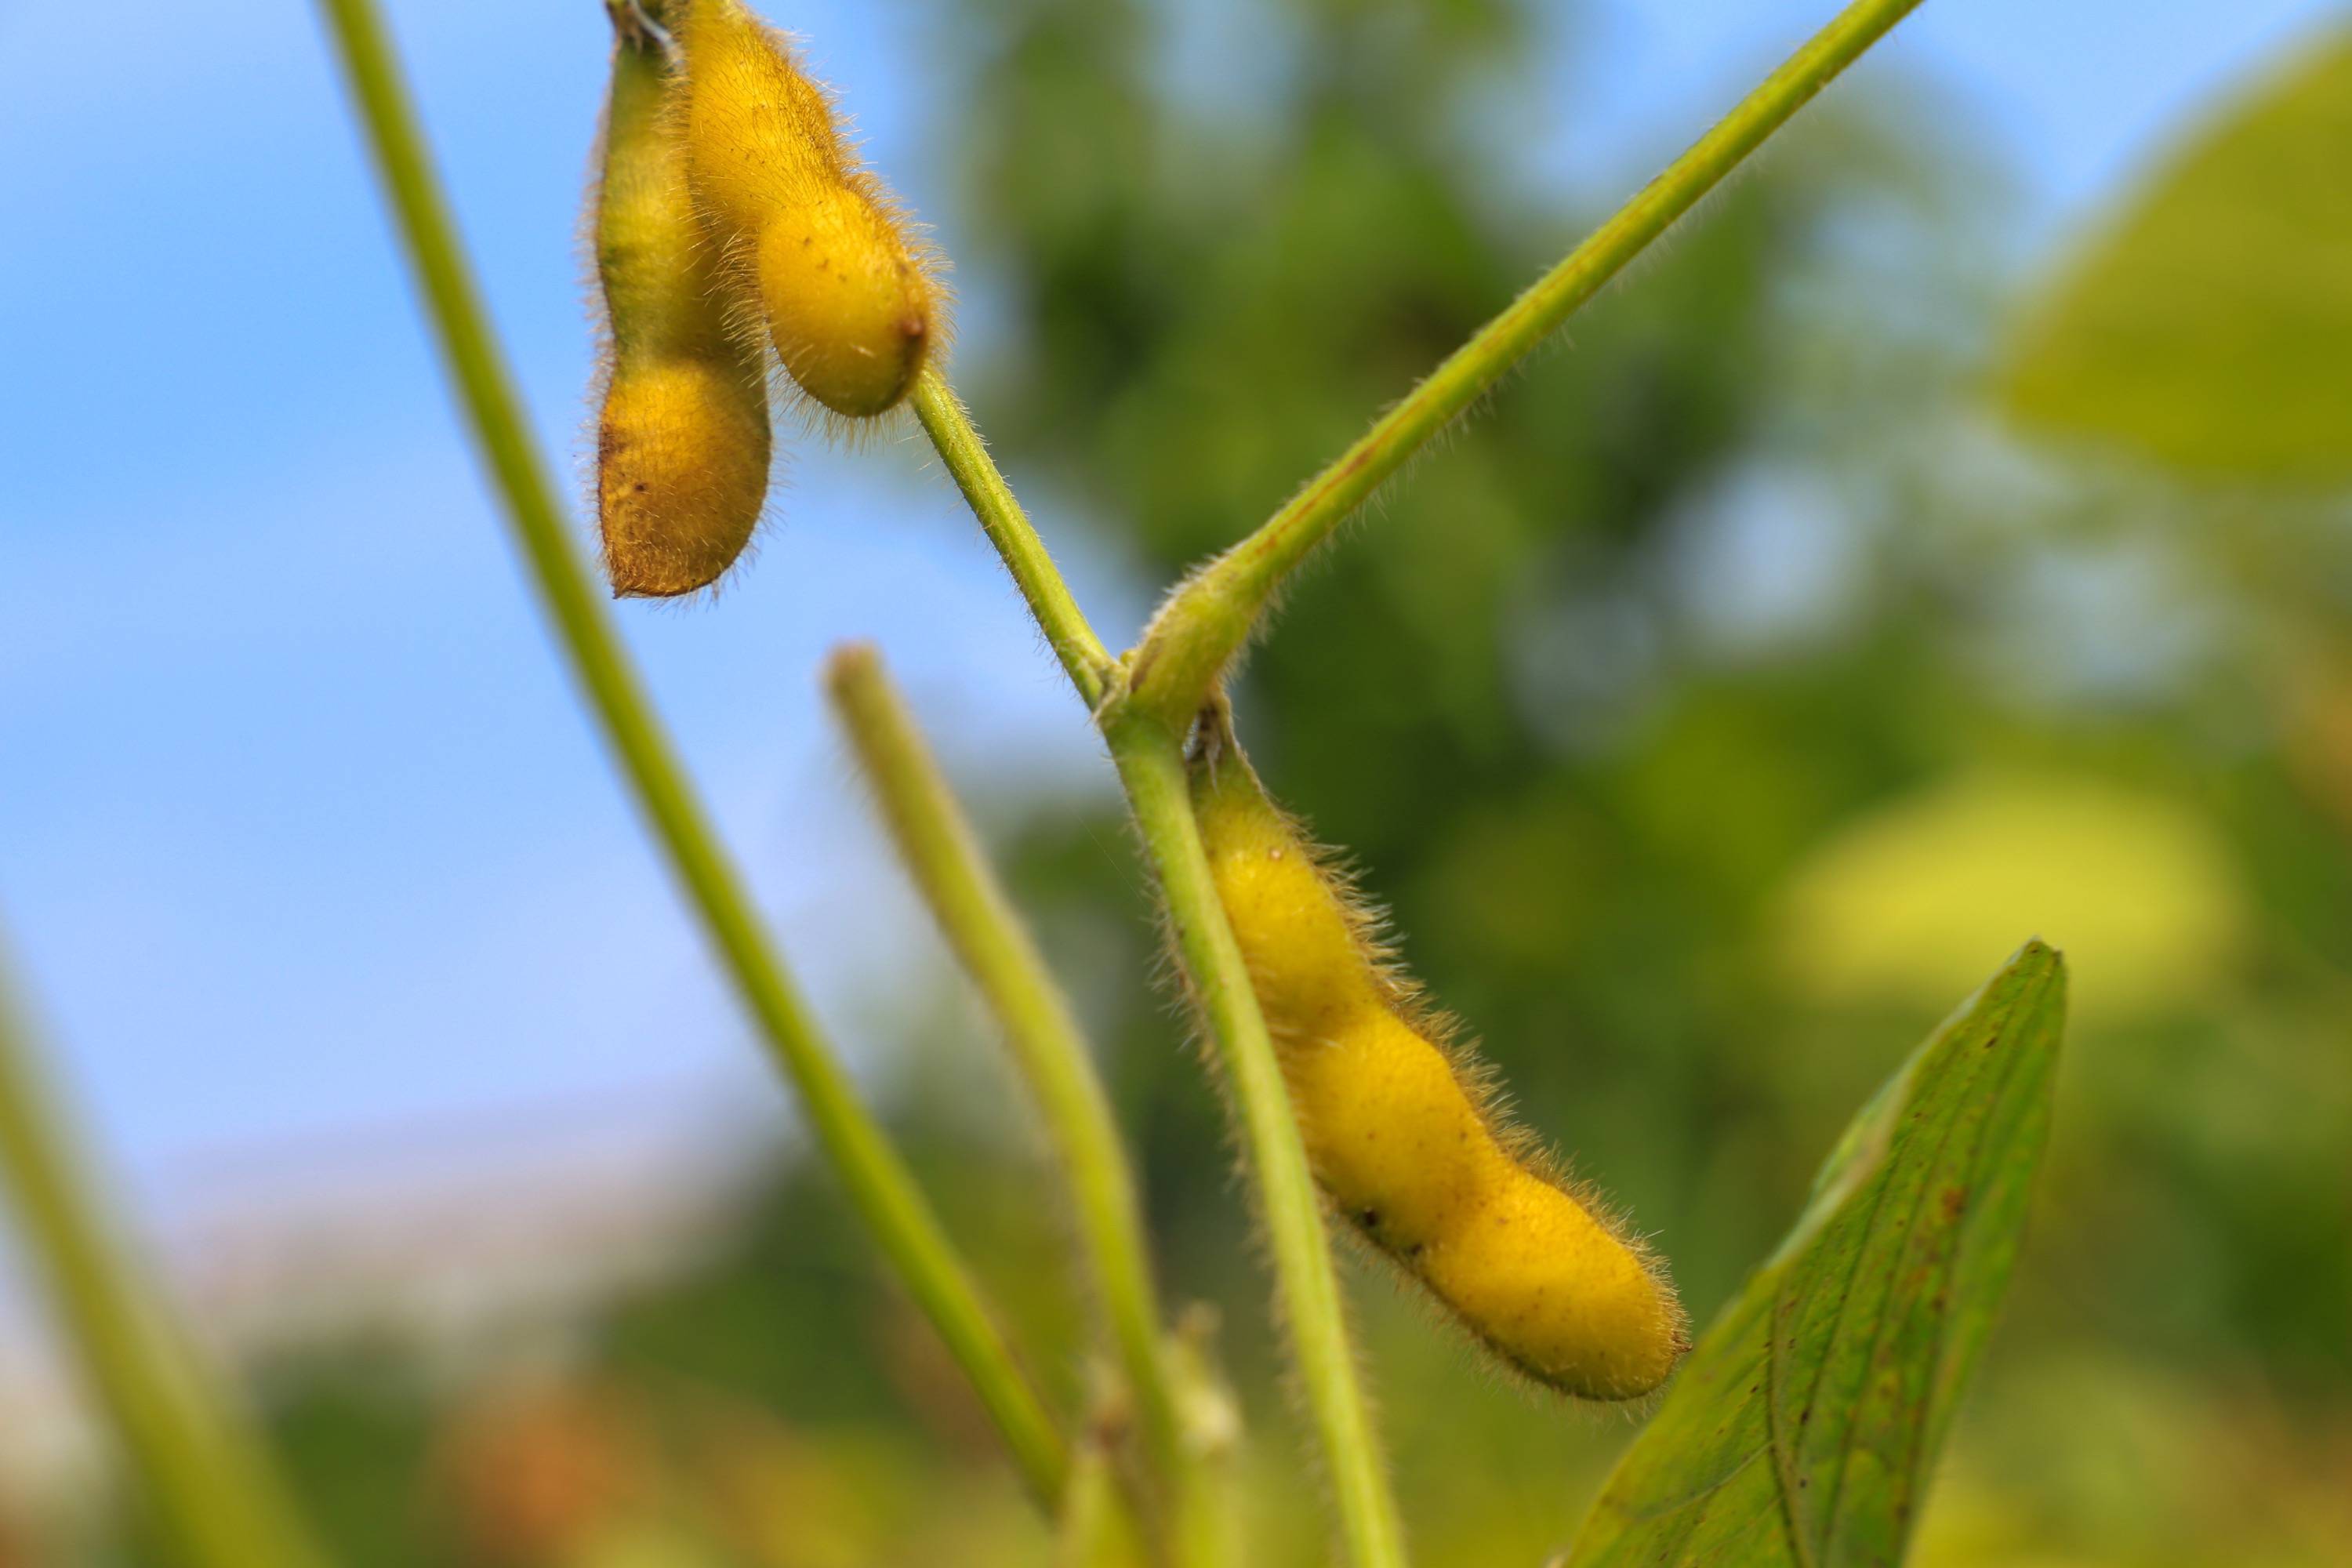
[(302, 838)]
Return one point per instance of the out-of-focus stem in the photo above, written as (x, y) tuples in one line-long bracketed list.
[(206, 1472), (936, 842), (878, 1181)]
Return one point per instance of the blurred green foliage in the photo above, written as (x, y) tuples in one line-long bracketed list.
[(2208, 329), (1607, 693), (1731, 661)]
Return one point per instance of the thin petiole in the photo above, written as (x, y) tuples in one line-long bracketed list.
[(1081, 653), (1206, 622)]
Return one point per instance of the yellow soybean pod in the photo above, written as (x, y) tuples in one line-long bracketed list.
[(846, 293), (1399, 1130), (683, 440)]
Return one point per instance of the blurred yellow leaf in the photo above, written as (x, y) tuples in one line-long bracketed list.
[(1909, 904), (2211, 326)]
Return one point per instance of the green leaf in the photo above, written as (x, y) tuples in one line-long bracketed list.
[(2209, 327), (1804, 1427)]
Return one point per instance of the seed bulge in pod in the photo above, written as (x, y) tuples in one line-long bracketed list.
[(682, 441), (1401, 1135), (846, 293)]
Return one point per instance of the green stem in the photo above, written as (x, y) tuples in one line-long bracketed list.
[(204, 1468), (1081, 652), (1087, 1535), (878, 1181), (937, 844), (1206, 622), (1150, 756)]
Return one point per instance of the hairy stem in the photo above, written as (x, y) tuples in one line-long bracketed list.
[(878, 1181), (201, 1465), (939, 847), (1207, 621), (1150, 756), (1150, 760), (1082, 655)]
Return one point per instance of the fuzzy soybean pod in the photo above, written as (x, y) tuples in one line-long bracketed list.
[(846, 291), (683, 440), (1401, 1130)]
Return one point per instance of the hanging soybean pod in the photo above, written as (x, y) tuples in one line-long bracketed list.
[(683, 440), (1401, 1130), (848, 294)]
